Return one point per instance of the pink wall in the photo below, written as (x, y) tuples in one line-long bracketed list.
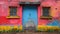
[(53, 12), (4, 8)]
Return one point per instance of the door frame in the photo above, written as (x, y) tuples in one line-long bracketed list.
[(37, 14)]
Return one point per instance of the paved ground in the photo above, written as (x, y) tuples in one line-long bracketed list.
[(32, 33)]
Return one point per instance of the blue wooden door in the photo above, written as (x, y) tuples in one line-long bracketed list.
[(29, 16)]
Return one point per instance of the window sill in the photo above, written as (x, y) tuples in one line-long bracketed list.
[(12, 17), (46, 17)]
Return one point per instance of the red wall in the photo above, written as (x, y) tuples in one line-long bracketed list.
[(4, 11)]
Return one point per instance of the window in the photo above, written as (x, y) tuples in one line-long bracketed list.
[(13, 12), (46, 12)]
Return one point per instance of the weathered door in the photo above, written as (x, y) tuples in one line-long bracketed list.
[(29, 16)]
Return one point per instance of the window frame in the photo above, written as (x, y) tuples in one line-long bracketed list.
[(43, 11), (9, 12), (46, 17)]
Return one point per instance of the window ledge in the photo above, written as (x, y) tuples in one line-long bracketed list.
[(46, 17), (12, 17)]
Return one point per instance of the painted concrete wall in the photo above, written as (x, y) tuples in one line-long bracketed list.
[(4, 11), (54, 12)]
